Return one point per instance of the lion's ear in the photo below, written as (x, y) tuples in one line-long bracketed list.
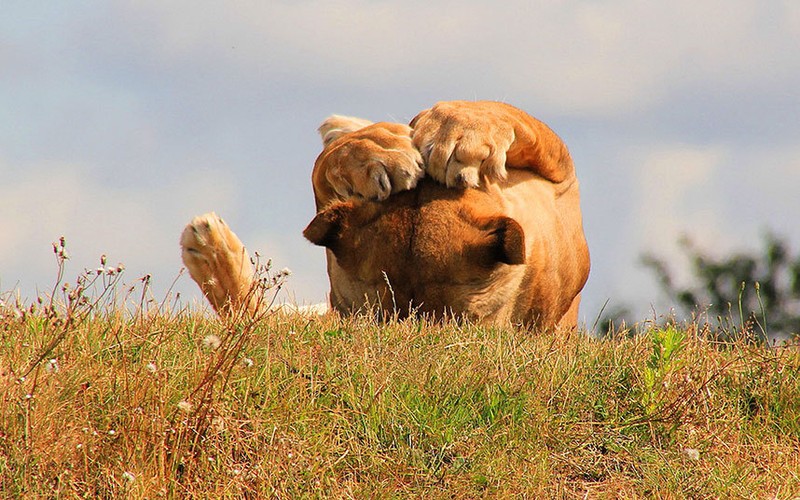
[(326, 228), (336, 126), (503, 242)]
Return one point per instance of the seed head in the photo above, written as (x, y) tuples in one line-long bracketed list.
[(218, 424), (52, 366), (212, 342), (692, 453), (185, 406)]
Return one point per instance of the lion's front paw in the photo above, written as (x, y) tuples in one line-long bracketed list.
[(462, 142), (217, 261), (373, 162)]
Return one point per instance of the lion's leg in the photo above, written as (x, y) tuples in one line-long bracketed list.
[(463, 141), (570, 318), (218, 262), (363, 160)]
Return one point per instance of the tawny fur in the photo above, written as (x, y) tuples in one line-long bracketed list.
[(218, 262)]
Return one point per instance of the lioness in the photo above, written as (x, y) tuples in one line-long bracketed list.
[(471, 210)]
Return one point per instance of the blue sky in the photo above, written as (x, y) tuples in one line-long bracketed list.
[(119, 121)]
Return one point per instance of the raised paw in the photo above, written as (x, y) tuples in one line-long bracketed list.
[(371, 162), (461, 142), (218, 262)]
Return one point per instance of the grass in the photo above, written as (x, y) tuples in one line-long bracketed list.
[(104, 399)]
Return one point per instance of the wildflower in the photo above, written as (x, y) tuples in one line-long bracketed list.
[(185, 406), (52, 366), (218, 424), (692, 453), (212, 342), (128, 477), (151, 367), (112, 432), (247, 362), (285, 272)]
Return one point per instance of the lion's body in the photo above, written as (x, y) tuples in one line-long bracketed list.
[(419, 250), (492, 232)]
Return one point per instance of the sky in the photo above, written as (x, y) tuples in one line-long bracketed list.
[(121, 120)]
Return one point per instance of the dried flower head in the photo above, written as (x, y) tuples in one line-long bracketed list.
[(692, 453), (52, 366), (212, 342), (218, 424), (185, 406)]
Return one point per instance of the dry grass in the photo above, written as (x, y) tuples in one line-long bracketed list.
[(158, 400)]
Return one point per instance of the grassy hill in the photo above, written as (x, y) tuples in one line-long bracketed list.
[(157, 400)]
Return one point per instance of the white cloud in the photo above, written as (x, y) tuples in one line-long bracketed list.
[(581, 57), (136, 227), (723, 198), (764, 196), (676, 195)]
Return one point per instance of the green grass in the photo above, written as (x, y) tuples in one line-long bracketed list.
[(140, 403)]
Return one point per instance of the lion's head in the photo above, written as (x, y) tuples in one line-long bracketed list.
[(431, 250)]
